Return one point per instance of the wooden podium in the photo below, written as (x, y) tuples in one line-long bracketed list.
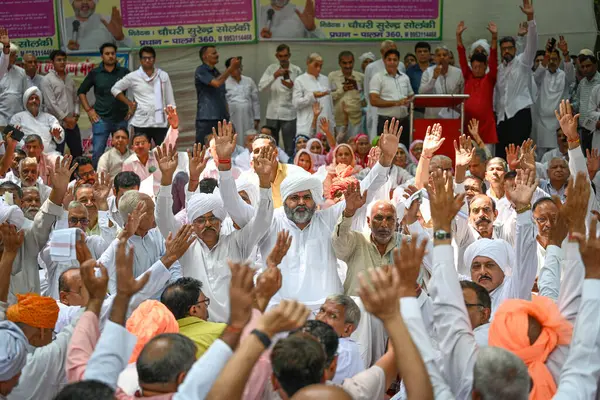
[(451, 128)]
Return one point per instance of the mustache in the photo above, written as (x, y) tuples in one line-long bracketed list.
[(484, 277), (208, 228), (383, 232), (482, 220)]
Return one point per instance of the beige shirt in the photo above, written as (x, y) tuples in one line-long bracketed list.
[(351, 98), (60, 95), (357, 250), (111, 162)]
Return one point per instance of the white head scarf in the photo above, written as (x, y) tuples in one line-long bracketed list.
[(497, 249), (202, 203), (32, 90), (483, 43), (365, 56), (243, 183), (13, 350), (299, 183), (11, 214)]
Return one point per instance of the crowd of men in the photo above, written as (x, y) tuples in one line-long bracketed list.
[(341, 263)]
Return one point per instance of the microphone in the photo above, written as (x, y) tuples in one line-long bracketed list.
[(270, 13), (76, 25)]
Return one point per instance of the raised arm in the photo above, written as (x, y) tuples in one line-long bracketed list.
[(219, 81), (433, 141), (4, 55), (528, 57), (344, 239), (167, 158), (550, 275), (12, 241)]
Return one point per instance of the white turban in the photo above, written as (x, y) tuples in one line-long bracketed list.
[(11, 214), (299, 183), (13, 350), (244, 183), (365, 56), (202, 203), (29, 92), (483, 43), (497, 249)]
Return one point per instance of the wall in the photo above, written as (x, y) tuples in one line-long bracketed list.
[(574, 19)]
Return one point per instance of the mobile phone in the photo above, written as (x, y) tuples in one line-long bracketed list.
[(17, 134), (552, 43)]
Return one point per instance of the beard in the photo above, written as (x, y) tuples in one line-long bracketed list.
[(382, 236), (299, 214), (508, 57), (30, 212)]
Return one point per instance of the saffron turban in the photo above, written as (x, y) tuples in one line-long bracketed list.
[(150, 319), (13, 350), (11, 214), (497, 249), (299, 183), (509, 330), (34, 310), (483, 43), (202, 203)]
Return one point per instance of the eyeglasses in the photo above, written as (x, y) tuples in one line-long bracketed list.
[(474, 305), (75, 221), (205, 301), (202, 220), (544, 220), (84, 175)]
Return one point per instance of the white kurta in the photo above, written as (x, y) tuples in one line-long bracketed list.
[(286, 24), (92, 34), (451, 83), (244, 107), (12, 86), (210, 266), (39, 125), (280, 99), (552, 88), (593, 116), (303, 99)]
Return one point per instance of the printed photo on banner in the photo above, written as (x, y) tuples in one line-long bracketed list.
[(349, 19), (86, 24), (31, 25)]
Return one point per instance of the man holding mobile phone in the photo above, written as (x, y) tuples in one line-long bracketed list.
[(347, 95)]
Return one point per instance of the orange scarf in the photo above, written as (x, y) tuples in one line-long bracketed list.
[(509, 328)]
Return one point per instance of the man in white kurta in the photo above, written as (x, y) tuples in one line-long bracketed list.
[(553, 86), (592, 120), (442, 78), (304, 97), (12, 86), (242, 99), (281, 20), (34, 121)]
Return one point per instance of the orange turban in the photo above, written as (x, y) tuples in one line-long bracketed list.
[(509, 328), (34, 310), (150, 319)]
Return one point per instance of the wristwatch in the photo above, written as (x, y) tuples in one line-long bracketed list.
[(442, 235), (266, 341)]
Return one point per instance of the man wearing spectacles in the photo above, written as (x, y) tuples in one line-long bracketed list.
[(185, 299), (479, 307), (152, 92)]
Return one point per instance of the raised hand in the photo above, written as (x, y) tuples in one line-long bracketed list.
[(522, 191), (178, 245), (55, 132), (95, 285), (593, 162), (590, 248), (225, 140), (382, 296), (267, 284), (388, 142), (407, 260), (101, 189), (287, 316), (4, 36), (523, 29), (512, 156), (115, 26), (316, 108), (133, 221), (263, 166), (354, 199), (492, 28), (81, 250), (60, 178), (11, 239), (168, 159), (576, 207), (460, 28), (374, 156), (442, 201), (68, 198), (127, 285), (527, 9), (560, 228), (464, 151), (324, 125), (568, 122), (197, 160), (241, 294), (282, 245), (307, 17), (172, 116), (562, 45), (433, 140), (527, 157)]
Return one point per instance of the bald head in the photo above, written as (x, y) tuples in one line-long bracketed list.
[(440, 162), (382, 221), (321, 391)]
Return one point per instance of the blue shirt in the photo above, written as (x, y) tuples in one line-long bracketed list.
[(212, 103), (415, 73)]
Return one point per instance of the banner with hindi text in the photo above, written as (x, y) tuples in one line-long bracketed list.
[(31, 25), (349, 19)]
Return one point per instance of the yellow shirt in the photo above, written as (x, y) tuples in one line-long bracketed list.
[(276, 185), (203, 333)]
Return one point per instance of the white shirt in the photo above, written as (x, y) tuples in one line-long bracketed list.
[(12, 86), (4, 61), (286, 24), (552, 88), (373, 69), (93, 33), (210, 265), (512, 92), (113, 213), (450, 83), (349, 362), (36, 80), (280, 100), (303, 99), (39, 125), (391, 88), (143, 94), (583, 96), (244, 107), (589, 119)]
